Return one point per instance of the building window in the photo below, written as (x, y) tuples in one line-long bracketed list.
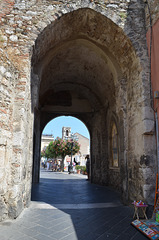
[(67, 133), (114, 146)]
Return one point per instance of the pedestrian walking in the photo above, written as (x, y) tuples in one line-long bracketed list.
[(44, 164), (48, 165)]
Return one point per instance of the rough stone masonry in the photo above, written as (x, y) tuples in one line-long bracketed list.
[(94, 53)]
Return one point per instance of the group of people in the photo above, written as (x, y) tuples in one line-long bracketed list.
[(51, 165), (54, 166)]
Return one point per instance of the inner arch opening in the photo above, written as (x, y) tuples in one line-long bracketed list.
[(65, 128)]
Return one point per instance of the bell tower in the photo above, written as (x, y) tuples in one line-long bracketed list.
[(66, 132)]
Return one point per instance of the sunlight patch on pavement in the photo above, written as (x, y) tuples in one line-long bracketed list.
[(42, 205)]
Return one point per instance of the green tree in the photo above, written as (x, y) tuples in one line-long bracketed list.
[(44, 153), (61, 148)]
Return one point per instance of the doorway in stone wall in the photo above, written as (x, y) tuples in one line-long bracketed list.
[(76, 75), (65, 129)]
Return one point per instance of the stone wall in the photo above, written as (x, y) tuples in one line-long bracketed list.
[(16, 118), (152, 23), (16, 130), (7, 78), (30, 29)]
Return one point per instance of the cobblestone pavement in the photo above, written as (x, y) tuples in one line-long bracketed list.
[(67, 207)]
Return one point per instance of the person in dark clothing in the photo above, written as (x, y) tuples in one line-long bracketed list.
[(75, 161), (88, 167)]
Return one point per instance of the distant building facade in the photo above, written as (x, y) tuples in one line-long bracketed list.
[(84, 148), (45, 140)]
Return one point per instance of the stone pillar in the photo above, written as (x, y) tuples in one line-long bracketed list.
[(99, 153), (36, 147)]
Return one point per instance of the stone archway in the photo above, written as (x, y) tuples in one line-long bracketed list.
[(78, 72), (97, 60)]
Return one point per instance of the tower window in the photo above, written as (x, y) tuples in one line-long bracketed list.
[(67, 133)]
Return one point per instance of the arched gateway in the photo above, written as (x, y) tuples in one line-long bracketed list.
[(84, 65)]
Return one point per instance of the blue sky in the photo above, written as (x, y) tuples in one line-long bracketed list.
[(55, 126)]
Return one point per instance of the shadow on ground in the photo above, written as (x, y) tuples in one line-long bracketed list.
[(81, 210)]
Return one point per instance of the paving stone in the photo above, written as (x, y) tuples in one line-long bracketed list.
[(107, 236), (138, 236), (3, 237), (60, 235), (40, 229), (26, 238), (71, 236), (44, 237), (46, 224), (28, 232)]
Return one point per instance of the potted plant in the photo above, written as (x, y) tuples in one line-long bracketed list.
[(84, 170), (78, 168)]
